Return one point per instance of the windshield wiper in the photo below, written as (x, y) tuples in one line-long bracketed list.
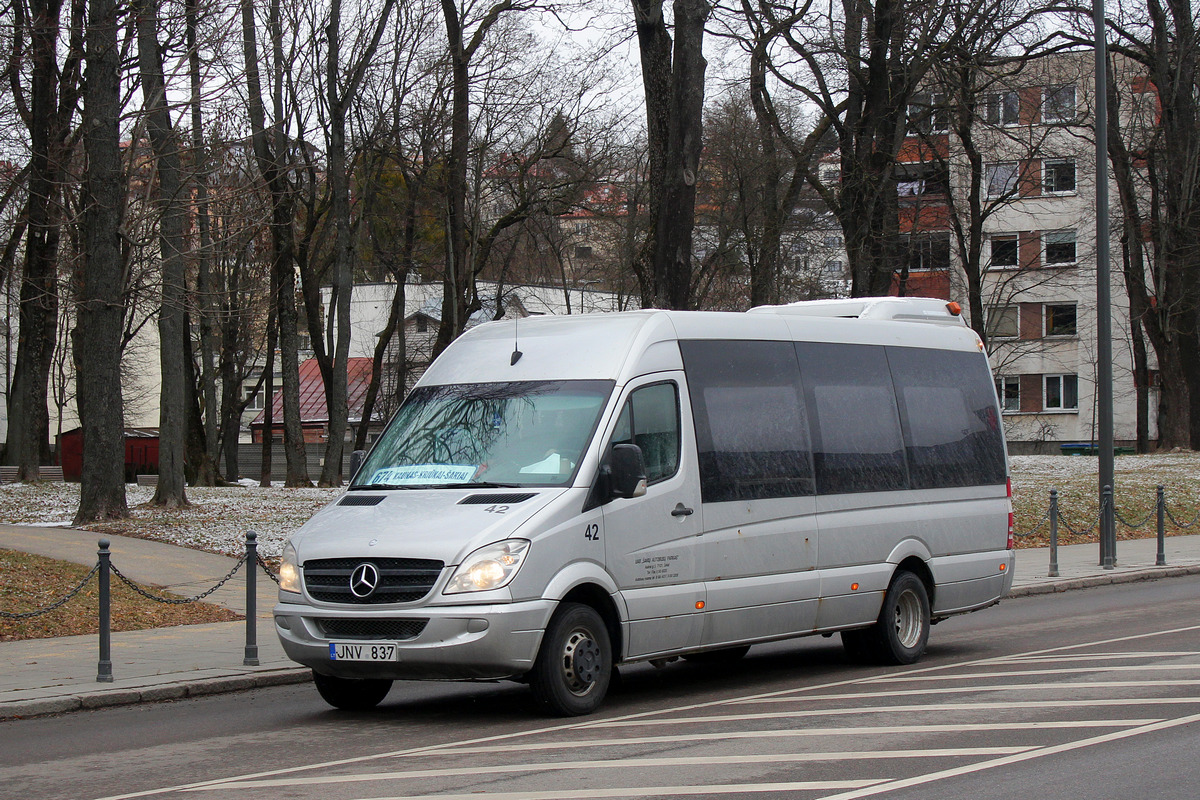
[(360, 486), (483, 485)]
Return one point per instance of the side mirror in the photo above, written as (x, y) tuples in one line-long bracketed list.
[(356, 459), (627, 471)]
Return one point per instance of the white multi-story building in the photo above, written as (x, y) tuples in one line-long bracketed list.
[(1038, 262)]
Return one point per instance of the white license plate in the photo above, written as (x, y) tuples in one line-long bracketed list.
[(362, 651)]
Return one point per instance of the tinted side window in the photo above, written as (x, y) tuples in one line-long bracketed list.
[(751, 429), (951, 426), (857, 446), (650, 419)]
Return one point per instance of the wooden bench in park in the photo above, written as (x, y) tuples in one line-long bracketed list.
[(8, 474), (147, 480)]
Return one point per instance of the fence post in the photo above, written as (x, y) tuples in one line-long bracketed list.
[(104, 672), (250, 659), (1053, 534), (1108, 529), (1160, 509)]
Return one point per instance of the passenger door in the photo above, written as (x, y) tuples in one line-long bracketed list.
[(652, 547)]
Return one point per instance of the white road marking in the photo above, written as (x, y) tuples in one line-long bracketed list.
[(914, 709), (585, 793), (1014, 759), (624, 763), (1075, 657), (1055, 686), (685, 738), (1030, 673)]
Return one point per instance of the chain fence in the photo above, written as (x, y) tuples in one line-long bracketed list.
[(1053, 516), (104, 567)]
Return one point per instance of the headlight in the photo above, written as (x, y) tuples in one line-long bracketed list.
[(488, 567), (289, 571)]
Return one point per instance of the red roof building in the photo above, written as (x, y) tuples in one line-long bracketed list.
[(314, 413)]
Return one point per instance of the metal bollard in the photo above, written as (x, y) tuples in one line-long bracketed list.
[(1053, 534), (1160, 510), (250, 659), (1108, 529), (104, 673)]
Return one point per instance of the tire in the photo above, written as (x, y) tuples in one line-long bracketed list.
[(349, 694), (726, 655), (574, 666), (900, 634), (859, 645)]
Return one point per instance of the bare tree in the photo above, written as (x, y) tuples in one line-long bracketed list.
[(270, 152), (48, 112), (99, 282), (172, 331)]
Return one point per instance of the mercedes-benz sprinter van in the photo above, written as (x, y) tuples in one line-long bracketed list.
[(561, 495)]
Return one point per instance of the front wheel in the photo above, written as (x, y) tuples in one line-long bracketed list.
[(349, 694), (574, 665)]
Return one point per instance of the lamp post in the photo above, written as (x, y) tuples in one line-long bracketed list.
[(582, 288), (1104, 377)]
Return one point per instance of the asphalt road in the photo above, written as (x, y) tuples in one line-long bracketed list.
[(1088, 694)]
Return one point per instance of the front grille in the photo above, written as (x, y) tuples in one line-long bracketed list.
[(488, 499), (401, 580), (361, 500), (396, 629)]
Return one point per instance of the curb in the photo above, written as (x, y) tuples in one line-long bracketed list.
[(23, 709), (1056, 585)]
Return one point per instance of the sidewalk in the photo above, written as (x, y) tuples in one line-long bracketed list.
[(47, 676)]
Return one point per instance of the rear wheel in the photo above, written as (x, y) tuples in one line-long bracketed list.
[(350, 694), (900, 634), (574, 665)]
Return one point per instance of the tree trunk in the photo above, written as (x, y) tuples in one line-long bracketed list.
[(205, 306), (270, 159), (172, 445), (99, 283), (28, 413)]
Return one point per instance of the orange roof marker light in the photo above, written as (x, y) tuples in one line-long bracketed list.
[(954, 308)]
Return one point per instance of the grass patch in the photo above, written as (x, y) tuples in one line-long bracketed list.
[(30, 582), (1075, 478)]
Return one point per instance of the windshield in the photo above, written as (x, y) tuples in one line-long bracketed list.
[(529, 433)]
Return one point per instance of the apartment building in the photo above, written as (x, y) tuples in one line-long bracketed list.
[(1037, 264)]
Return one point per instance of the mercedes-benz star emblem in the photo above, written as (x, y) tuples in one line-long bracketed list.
[(363, 580)]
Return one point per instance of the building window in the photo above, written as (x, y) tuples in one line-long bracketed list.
[(1062, 393), (833, 241), (1001, 108), (1060, 247), (929, 252), (1060, 320), (1005, 251), (583, 251), (255, 402), (1001, 178), (928, 113), (422, 325), (834, 269), (913, 180), (1008, 392), (1058, 177), (1002, 322), (583, 228), (1058, 104)]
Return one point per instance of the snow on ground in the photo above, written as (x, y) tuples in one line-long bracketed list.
[(217, 521), (220, 517)]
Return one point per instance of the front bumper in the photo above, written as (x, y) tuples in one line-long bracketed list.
[(468, 642)]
